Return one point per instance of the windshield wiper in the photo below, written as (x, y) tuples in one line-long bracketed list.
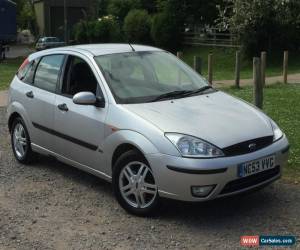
[(193, 92), (176, 93), (181, 93)]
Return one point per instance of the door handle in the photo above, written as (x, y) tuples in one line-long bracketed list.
[(30, 94), (63, 107)]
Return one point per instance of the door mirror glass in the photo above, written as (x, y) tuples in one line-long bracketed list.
[(85, 98)]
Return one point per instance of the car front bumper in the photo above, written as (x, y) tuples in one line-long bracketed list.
[(176, 175)]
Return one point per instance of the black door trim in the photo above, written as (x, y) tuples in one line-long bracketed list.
[(66, 137)]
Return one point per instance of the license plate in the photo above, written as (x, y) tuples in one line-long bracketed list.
[(256, 166)]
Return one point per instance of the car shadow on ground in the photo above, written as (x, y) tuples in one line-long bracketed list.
[(73, 174), (226, 211)]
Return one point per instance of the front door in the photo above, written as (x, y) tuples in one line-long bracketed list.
[(79, 128)]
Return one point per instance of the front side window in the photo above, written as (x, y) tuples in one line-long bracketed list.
[(138, 77), (47, 72), (78, 77)]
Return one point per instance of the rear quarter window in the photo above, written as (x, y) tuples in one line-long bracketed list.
[(48, 71), (26, 73), (23, 69)]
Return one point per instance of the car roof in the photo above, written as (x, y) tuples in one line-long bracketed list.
[(45, 37), (100, 49)]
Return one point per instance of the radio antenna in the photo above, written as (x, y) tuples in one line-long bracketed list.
[(131, 47)]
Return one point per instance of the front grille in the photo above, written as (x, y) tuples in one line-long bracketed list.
[(243, 147), (249, 181)]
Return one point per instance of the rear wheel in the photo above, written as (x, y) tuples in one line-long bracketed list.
[(20, 142), (134, 184)]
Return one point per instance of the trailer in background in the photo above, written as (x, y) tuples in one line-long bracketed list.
[(8, 25)]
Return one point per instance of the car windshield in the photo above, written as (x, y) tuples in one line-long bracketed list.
[(52, 39), (138, 77)]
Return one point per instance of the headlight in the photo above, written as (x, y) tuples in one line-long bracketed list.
[(276, 131), (190, 146)]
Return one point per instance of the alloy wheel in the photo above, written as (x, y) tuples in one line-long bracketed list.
[(20, 140), (137, 185)]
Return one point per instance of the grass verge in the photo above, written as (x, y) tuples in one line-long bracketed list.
[(224, 62), (282, 104), (8, 69)]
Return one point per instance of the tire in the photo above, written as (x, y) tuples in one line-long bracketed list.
[(143, 198), (19, 129)]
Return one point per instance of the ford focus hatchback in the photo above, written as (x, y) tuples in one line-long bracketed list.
[(142, 119)]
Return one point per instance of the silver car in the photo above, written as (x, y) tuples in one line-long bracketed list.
[(145, 121), (48, 43)]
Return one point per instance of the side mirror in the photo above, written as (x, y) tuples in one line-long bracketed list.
[(85, 98)]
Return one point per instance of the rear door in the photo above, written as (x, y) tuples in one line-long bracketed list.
[(40, 100), (79, 128)]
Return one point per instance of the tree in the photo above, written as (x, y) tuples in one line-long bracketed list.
[(263, 25), (168, 24), (26, 16), (137, 25), (149, 5), (106, 29), (202, 11), (103, 30), (120, 8), (102, 7), (80, 31), (165, 32)]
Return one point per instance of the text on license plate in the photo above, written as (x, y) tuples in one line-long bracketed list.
[(256, 166)]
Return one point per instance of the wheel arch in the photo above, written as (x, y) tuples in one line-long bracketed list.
[(121, 149), (14, 110), (124, 140), (11, 119)]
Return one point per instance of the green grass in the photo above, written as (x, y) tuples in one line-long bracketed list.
[(224, 62), (282, 104), (8, 69)]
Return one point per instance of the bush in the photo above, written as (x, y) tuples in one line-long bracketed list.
[(103, 30), (120, 8), (79, 32), (137, 26), (107, 30), (165, 31)]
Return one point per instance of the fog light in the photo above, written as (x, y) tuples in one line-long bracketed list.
[(202, 191)]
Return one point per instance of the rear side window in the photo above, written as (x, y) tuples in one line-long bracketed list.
[(23, 69), (28, 78), (47, 72)]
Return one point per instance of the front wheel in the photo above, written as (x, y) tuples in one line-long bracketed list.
[(134, 184)]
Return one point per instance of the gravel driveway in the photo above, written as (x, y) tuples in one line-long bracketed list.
[(53, 206)]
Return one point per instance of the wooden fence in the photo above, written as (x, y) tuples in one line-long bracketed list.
[(210, 37), (259, 72)]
